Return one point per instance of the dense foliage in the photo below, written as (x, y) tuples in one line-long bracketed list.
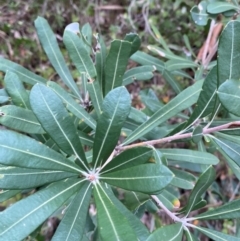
[(81, 151)]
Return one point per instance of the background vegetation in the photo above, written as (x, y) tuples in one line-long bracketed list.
[(112, 19)]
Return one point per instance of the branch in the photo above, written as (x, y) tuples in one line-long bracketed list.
[(179, 136)]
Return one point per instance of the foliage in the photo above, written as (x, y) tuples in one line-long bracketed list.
[(73, 148)]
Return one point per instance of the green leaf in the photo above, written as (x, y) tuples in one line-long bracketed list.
[(4, 97), (220, 7), (7, 194), (146, 59), (197, 134), (20, 119), (150, 100), (115, 109), (116, 63), (139, 228), (24, 74), (182, 179), (101, 53), (190, 236), (72, 225), (199, 204), (215, 235), (229, 210), (16, 90), (173, 232), (171, 80), (24, 178), (199, 13), (182, 101), (207, 99), (96, 96), (230, 148), (138, 73), (112, 224), (134, 39), (87, 36), (56, 121), (173, 64), (228, 49), (202, 184), (22, 218), (72, 105), (168, 199), (51, 48), (146, 178), (190, 156), (229, 95), (129, 158), (85, 138), (165, 53), (78, 53), (22, 151)]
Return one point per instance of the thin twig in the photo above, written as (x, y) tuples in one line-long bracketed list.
[(179, 136)]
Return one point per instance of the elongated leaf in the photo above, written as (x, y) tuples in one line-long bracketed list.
[(150, 100), (22, 151), (202, 184), (55, 119), (112, 224), (138, 73), (24, 178), (183, 64), (16, 90), (87, 36), (24, 74), (6, 194), (190, 236), (25, 216), (20, 119), (228, 49), (234, 167), (229, 95), (229, 210), (217, 236), (206, 103), (190, 156), (129, 158), (116, 63), (116, 107), (182, 179), (72, 105), (73, 223), (78, 53), (101, 53), (51, 48), (230, 148), (140, 229), (173, 232), (182, 101), (4, 97), (135, 41), (220, 7), (199, 204), (169, 200), (96, 96), (85, 138), (171, 80), (146, 59), (146, 178)]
